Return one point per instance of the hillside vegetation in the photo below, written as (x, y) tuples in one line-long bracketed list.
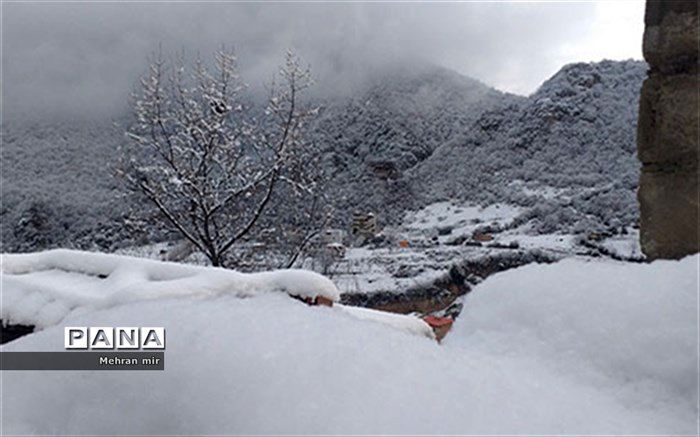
[(408, 139)]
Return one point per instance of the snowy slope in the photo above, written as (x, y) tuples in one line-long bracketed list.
[(576, 347), (605, 321), (402, 116), (568, 151), (406, 139), (393, 125), (59, 187)]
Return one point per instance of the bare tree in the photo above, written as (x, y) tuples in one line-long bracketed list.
[(201, 158)]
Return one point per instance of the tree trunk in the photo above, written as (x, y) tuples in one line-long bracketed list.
[(216, 260)]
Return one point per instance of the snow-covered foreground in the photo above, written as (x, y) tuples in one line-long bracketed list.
[(42, 288), (576, 347)]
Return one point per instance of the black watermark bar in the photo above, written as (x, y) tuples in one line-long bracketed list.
[(82, 360)]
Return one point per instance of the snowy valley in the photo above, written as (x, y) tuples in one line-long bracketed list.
[(455, 175), (406, 141), (512, 218)]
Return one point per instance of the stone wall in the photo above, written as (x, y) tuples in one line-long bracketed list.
[(667, 136)]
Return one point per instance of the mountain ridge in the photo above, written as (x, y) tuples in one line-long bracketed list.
[(412, 137)]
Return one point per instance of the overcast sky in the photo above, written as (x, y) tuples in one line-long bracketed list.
[(84, 58)]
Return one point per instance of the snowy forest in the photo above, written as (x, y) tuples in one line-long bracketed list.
[(575, 136)]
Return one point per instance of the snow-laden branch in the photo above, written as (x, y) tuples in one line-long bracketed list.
[(203, 160)]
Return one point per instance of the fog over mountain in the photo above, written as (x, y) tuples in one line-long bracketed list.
[(82, 59)]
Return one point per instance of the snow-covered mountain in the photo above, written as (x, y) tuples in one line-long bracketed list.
[(567, 151), (402, 117), (58, 184), (409, 138), (373, 139), (569, 147)]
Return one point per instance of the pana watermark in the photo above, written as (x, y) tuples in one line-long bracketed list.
[(103, 337)]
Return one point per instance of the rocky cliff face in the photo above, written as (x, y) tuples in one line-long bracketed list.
[(668, 131)]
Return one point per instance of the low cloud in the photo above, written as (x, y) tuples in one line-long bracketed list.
[(83, 58)]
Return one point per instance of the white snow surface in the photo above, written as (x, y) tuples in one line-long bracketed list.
[(576, 347), (42, 288), (458, 215), (625, 245), (414, 325)]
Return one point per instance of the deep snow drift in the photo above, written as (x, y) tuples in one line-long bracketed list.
[(43, 288), (576, 347)]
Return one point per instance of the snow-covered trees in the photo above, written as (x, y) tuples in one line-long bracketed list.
[(461, 146), (208, 165), (571, 145)]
